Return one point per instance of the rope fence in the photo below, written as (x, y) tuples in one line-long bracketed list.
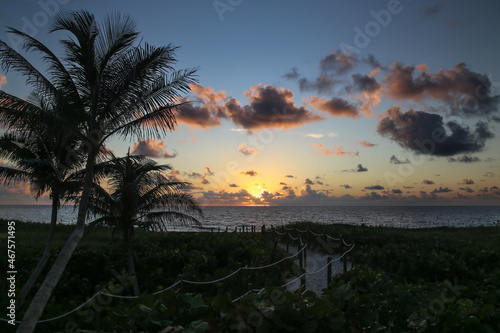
[(300, 253)]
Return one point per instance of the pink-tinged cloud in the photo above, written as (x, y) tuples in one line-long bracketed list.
[(246, 150), (206, 109), (250, 173), (459, 88), (3, 80), (152, 148), (338, 151), (208, 172), (467, 181), (366, 144), (337, 107), (204, 180), (269, 107)]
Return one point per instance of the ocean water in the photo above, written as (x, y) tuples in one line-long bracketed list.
[(230, 217)]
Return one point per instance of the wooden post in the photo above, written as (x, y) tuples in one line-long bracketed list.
[(329, 271), (305, 256), (303, 282)]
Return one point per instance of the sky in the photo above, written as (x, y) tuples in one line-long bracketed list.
[(314, 103)]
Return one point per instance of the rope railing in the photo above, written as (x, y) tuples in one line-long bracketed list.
[(304, 245)]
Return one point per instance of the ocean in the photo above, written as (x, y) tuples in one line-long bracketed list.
[(230, 217)]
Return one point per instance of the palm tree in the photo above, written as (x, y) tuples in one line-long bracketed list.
[(40, 164), (108, 85), (140, 195)]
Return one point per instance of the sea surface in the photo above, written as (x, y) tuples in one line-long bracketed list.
[(221, 217)]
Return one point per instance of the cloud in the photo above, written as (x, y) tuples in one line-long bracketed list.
[(207, 171), (426, 133), (204, 181), (346, 186), (3, 80), (209, 113), (465, 92), (467, 181), (395, 160), (269, 107), (233, 185), (428, 182), (374, 187), (338, 151), (396, 191), (151, 148), (173, 176), (359, 168), (467, 189), (283, 184), (290, 176), (337, 107), (489, 174), (338, 62), (250, 173), (442, 190), (365, 83), (367, 144), (246, 150), (464, 159), (332, 66), (194, 175), (292, 75), (319, 136), (308, 182)]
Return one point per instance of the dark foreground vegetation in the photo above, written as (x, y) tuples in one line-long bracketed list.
[(426, 280)]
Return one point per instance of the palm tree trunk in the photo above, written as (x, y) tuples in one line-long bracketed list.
[(131, 266), (41, 298), (46, 252)]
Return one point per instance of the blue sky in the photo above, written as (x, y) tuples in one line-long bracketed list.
[(391, 73)]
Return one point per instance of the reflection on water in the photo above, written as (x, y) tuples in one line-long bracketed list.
[(222, 217)]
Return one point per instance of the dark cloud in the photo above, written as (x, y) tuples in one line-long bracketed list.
[(204, 116), (308, 182), (334, 65), (467, 189), (467, 181), (365, 83), (337, 107), (395, 160), (374, 187), (465, 92), (290, 176), (319, 182), (396, 191), (204, 181), (346, 186), (194, 175), (464, 159), (207, 171), (250, 173), (233, 185), (269, 107), (292, 75), (283, 184), (151, 148), (426, 133), (361, 168), (322, 84), (428, 182), (442, 190)]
